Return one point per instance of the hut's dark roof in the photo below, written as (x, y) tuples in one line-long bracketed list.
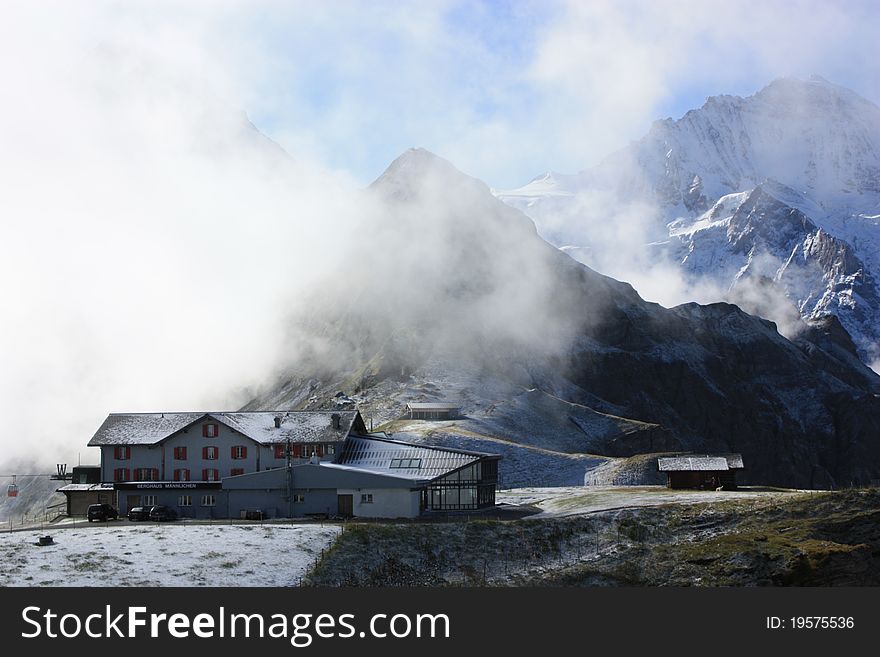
[(692, 463), (734, 461), (433, 406)]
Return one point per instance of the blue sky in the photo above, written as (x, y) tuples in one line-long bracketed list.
[(508, 90)]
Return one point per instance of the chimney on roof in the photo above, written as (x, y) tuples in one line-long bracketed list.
[(277, 421), (336, 420)]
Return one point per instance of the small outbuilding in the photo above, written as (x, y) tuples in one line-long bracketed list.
[(81, 496), (433, 411), (707, 472)]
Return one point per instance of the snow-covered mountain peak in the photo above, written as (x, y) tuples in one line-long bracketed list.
[(809, 135), (418, 172), (785, 180)]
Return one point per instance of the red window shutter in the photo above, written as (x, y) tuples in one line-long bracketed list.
[(177, 475), (297, 451), (319, 450), (116, 474), (244, 452), (127, 452), (233, 453), (155, 474), (116, 451), (204, 452), (205, 474), (126, 474), (216, 475), (186, 475), (204, 431)]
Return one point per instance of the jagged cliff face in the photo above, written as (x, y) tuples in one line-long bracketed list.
[(451, 294), (754, 236), (796, 166)]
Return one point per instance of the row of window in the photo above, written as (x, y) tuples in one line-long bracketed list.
[(458, 498), (304, 451), (179, 474), (405, 463), (207, 500), (211, 500), (366, 498), (209, 453), (212, 453)]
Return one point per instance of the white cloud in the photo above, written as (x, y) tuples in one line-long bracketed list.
[(607, 68), (150, 237)]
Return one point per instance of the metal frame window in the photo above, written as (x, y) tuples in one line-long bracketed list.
[(209, 500), (185, 500), (406, 463)]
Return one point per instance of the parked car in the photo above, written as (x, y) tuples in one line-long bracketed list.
[(102, 512), (139, 513), (162, 513)]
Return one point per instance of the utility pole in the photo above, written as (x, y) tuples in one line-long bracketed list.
[(289, 482)]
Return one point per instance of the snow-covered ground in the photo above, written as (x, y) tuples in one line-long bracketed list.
[(127, 554), (574, 500)]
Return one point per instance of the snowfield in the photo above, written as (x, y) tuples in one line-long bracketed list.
[(123, 554), (577, 500)]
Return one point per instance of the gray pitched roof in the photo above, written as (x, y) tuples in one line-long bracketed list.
[(692, 463), (296, 426), (687, 462), (401, 459), (428, 406), (734, 461)]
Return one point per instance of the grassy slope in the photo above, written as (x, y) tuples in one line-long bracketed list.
[(820, 539)]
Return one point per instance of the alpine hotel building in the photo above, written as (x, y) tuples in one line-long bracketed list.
[(283, 464)]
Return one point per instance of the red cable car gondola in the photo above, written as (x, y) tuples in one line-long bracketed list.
[(12, 489)]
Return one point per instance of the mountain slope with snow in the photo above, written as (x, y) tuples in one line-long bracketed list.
[(811, 146), (452, 295)]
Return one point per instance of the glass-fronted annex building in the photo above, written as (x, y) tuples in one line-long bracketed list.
[(450, 479)]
